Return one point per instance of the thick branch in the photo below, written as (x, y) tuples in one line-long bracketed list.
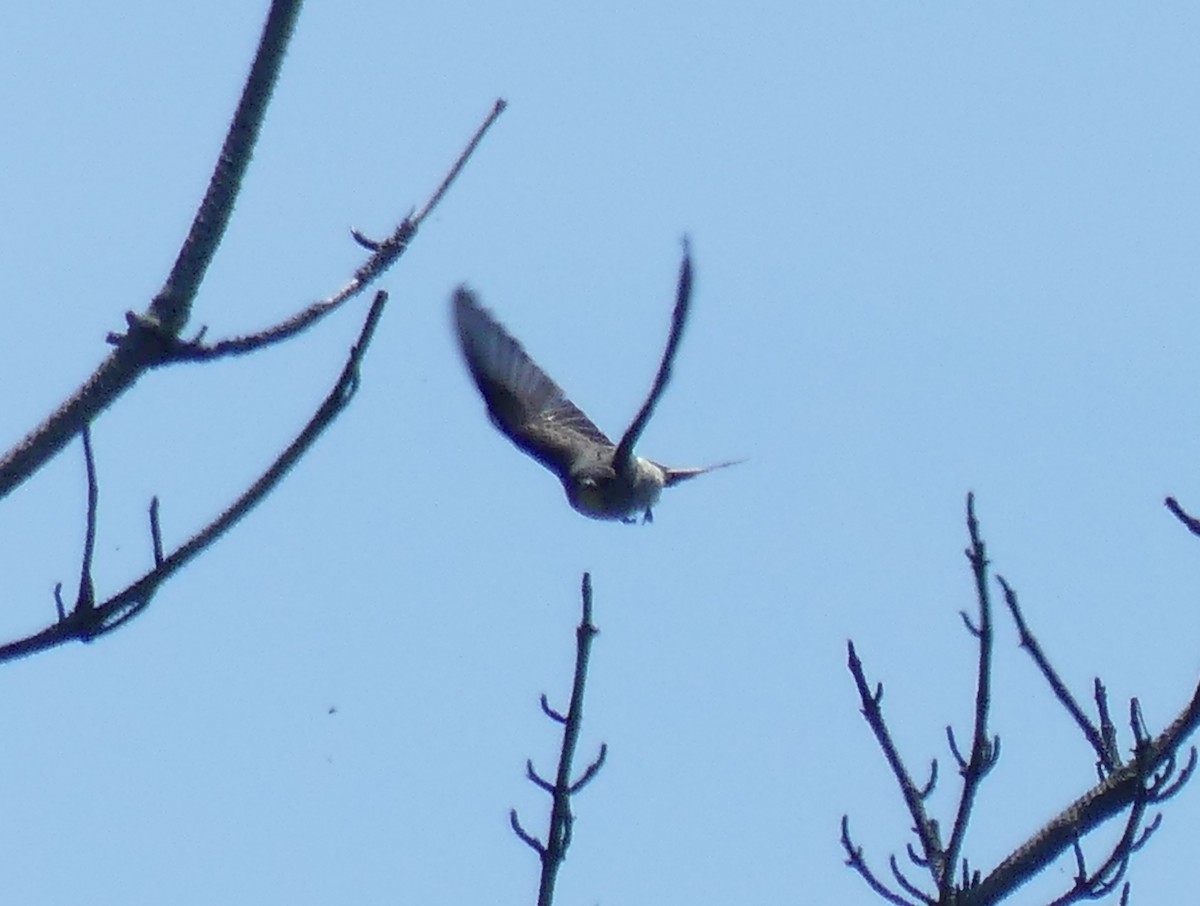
[(1118, 791), (173, 304), (1151, 776), (170, 308), (103, 618)]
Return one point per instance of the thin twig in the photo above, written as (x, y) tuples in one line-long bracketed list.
[(1192, 524), (384, 255), (497, 109), (925, 828), (1094, 735), (155, 532), (127, 603), (590, 772), (529, 839), (909, 887), (854, 858), (87, 589), (983, 751), (1104, 880), (1108, 730)]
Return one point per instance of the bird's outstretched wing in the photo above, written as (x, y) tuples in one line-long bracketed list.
[(522, 400), (683, 297)]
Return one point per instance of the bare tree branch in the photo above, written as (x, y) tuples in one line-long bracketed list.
[(1192, 524), (87, 591), (172, 306), (923, 826), (854, 858), (1149, 777), (385, 254), (984, 751), (558, 836), (1106, 755), (152, 340), (169, 311), (87, 624), (155, 533)]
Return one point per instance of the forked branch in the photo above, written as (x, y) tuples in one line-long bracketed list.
[(169, 311), (152, 337), (85, 623), (558, 837), (1126, 787)]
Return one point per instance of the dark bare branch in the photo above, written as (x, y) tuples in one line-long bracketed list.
[(172, 306), (550, 712), (854, 858), (1108, 730), (911, 889), (1095, 736), (558, 837), (118, 609), (537, 779), (529, 839), (1192, 524), (983, 755), (926, 829), (497, 109), (1165, 791), (1121, 789), (931, 784), (1148, 777), (590, 771), (155, 533), (385, 253), (915, 857), (169, 310), (952, 742), (87, 589)]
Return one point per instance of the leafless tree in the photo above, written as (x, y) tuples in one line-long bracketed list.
[(1125, 786), (1128, 788), (153, 338)]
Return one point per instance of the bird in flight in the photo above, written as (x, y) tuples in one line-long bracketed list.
[(603, 480)]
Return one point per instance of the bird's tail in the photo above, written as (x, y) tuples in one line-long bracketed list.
[(676, 475)]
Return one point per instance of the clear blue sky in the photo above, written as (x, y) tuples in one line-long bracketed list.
[(938, 249)]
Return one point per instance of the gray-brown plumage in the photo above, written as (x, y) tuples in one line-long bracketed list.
[(603, 480)]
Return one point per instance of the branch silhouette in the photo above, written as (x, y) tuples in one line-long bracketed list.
[(553, 851), (152, 339), (1149, 777), (171, 307), (89, 620)]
